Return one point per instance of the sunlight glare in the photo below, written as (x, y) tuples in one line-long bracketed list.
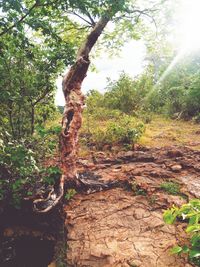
[(188, 18), (189, 25)]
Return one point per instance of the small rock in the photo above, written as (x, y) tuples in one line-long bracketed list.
[(84, 162), (100, 154), (136, 147), (174, 153), (197, 167), (176, 168), (125, 155)]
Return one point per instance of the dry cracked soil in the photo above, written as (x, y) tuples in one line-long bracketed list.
[(117, 219)]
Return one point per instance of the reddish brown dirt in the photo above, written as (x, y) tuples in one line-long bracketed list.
[(111, 225)]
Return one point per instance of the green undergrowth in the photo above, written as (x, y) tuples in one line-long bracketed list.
[(71, 192), (117, 129), (190, 214), (22, 170)]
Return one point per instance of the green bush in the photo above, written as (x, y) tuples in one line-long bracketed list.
[(20, 172), (17, 169), (127, 94), (189, 213), (124, 131), (101, 113), (50, 175), (45, 142)]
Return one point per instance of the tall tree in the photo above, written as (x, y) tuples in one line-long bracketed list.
[(74, 99), (54, 18)]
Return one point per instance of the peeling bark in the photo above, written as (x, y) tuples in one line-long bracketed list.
[(74, 102), (72, 119)]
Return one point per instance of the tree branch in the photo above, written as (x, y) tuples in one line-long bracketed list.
[(91, 19), (36, 4), (92, 37), (20, 20), (145, 12), (42, 96), (79, 16)]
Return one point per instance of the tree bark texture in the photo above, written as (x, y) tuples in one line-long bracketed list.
[(72, 119), (74, 102)]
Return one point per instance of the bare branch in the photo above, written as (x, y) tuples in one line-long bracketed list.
[(140, 12), (42, 96), (91, 19), (79, 16), (145, 12)]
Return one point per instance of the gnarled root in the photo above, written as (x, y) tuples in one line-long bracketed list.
[(54, 197)]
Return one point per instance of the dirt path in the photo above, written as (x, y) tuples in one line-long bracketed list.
[(123, 225)]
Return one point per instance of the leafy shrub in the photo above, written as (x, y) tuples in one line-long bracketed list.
[(102, 113), (50, 175), (145, 116), (17, 159), (20, 173), (17, 169), (125, 131), (190, 213), (45, 141), (127, 94)]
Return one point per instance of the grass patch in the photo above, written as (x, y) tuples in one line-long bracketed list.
[(171, 188), (71, 192), (161, 132)]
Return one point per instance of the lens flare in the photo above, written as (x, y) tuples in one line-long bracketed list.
[(188, 31)]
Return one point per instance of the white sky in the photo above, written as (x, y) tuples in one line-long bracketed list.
[(130, 60)]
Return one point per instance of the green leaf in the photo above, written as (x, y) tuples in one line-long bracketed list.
[(70, 193), (194, 253), (185, 249), (194, 219), (176, 250), (195, 240), (193, 228), (169, 216)]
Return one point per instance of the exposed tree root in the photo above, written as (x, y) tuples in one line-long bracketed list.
[(54, 197), (91, 183)]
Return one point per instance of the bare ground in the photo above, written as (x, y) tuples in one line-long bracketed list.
[(117, 220)]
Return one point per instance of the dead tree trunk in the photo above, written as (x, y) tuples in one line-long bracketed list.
[(72, 118), (74, 102)]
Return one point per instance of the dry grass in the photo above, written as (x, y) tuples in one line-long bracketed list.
[(165, 132), (160, 132)]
